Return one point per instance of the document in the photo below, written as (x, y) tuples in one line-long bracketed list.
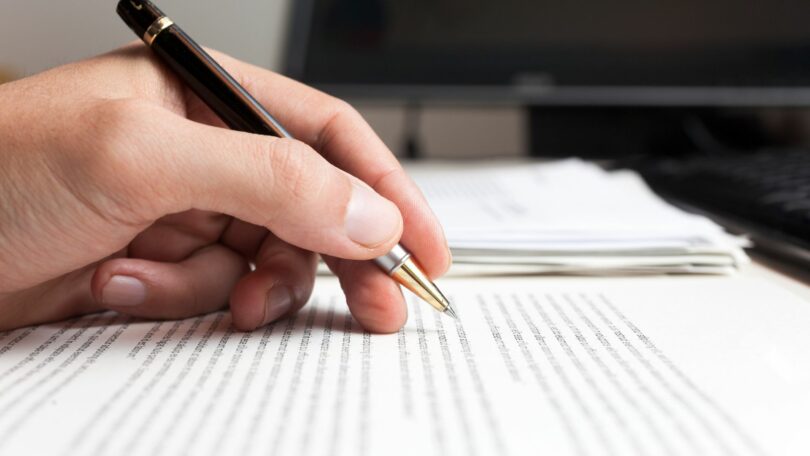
[(569, 216), (644, 366)]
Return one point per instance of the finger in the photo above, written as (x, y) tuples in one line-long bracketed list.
[(244, 237), (150, 289), (340, 134), (58, 299), (280, 184), (176, 236), (280, 285), (374, 299)]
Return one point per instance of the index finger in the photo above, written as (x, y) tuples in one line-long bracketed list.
[(339, 133)]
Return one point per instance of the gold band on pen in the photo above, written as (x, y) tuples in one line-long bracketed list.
[(154, 30)]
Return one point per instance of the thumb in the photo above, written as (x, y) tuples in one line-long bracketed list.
[(282, 184)]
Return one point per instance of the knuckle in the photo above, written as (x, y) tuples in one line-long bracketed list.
[(339, 114), (294, 175), (289, 159), (343, 107), (117, 159), (342, 110), (118, 127)]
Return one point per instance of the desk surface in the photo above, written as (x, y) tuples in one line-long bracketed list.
[(783, 275), (787, 276)]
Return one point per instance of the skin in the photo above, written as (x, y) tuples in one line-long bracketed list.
[(111, 167)]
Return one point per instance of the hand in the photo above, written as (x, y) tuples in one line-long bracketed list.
[(120, 190)]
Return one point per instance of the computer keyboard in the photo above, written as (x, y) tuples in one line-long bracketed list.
[(766, 194)]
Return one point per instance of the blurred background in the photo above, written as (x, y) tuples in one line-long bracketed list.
[(708, 101), (37, 35)]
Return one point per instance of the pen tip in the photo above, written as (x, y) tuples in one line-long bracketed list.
[(411, 276)]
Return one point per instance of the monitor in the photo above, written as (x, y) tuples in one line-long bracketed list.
[(542, 52)]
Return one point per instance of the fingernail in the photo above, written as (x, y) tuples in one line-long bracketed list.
[(370, 219), (123, 291), (278, 302)]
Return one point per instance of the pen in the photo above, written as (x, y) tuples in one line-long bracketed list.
[(241, 111)]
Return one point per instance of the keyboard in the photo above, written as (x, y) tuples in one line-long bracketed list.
[(766, 194)]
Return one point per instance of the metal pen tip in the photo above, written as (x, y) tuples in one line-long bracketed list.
[(449, 311), (411, 276)]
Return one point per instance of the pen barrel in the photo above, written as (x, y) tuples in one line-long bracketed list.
[(212, 84), (198, 70)]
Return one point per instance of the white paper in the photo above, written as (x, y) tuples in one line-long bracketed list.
[(570, 214), (694, 366)]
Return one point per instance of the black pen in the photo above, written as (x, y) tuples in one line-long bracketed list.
[(241, 111)]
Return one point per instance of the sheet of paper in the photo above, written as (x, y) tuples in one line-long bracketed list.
[(569, 213), (689, 366), (564, 197)]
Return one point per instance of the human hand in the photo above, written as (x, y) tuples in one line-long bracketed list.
[(119, 189)]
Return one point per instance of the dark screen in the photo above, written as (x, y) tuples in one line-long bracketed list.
[(562, 43)]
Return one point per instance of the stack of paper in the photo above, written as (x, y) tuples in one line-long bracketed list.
[(569, 217)]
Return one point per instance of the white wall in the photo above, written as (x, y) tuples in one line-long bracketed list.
[(39, 34)]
